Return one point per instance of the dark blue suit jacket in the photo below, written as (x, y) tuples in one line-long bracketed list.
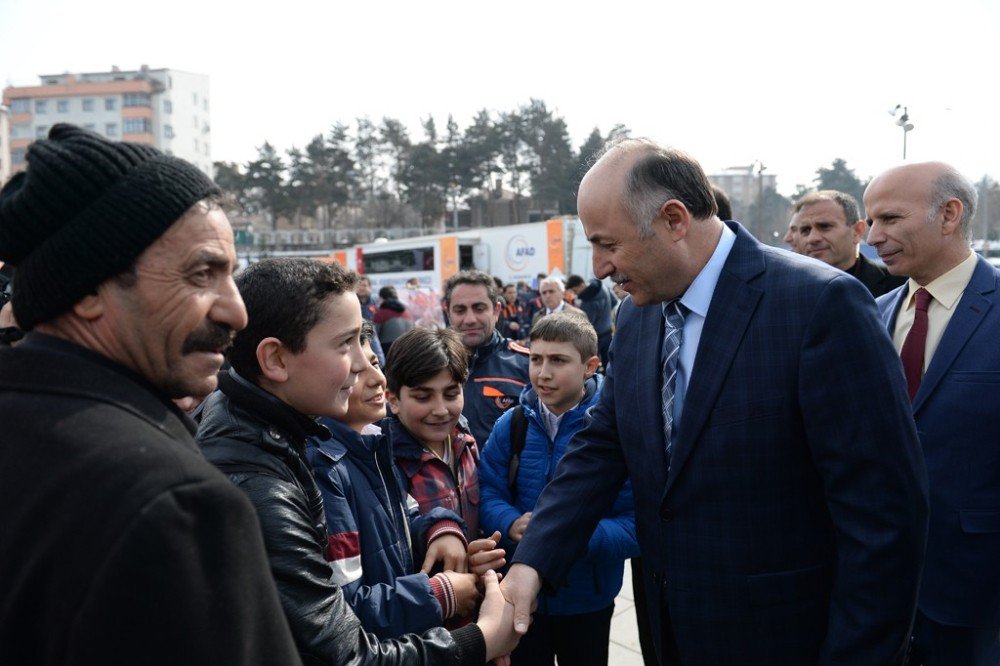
[(791, 527), (956, 411)]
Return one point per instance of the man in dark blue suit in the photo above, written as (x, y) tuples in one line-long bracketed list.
[(946, 324), (781, 510)]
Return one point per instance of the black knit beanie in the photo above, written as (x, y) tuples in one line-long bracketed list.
[(84, 210)]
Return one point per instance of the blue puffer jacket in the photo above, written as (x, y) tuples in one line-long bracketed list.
[(597, 302), (371, 532), (596, 578)]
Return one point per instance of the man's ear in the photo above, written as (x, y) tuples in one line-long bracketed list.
[(271, 357), (392, 400), (858, 230), (677, 218), (951, 211), (90, 307), (592, 364)]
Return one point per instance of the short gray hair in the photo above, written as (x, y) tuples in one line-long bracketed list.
[(659, 175), (953, 185), (553, 281)]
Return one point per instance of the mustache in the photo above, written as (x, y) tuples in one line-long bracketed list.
[(209, 338), (619, 278)]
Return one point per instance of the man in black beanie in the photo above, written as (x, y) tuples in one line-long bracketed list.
[(119, 543)]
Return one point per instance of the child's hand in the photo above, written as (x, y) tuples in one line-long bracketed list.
[(516, 530), (485, 556), (466, 593), (450, 551)]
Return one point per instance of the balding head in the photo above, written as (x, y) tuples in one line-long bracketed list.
[(649, 213), (920, 217)]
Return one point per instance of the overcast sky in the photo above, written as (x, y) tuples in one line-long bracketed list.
[(792, 84)]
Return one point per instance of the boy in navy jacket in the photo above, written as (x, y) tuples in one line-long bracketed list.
[(376, 536)]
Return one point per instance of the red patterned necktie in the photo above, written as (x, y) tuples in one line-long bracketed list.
[(916, 340)]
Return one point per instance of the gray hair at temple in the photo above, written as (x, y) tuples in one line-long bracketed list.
[(953, 185), (659, 175)]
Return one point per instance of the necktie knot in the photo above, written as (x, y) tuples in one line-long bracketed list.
[(674, 312), (923, 299)]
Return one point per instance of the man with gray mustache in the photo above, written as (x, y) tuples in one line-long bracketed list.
[(120, 543)]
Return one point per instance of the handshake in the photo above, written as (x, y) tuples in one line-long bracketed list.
[(505, 613)]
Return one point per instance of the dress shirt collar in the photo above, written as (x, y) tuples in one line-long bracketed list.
[(948, 288), (698, 296), (560, 308), (551, 420)]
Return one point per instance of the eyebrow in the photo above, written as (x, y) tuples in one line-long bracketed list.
[(213, 259)]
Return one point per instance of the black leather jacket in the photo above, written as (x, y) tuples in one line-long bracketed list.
[(259, 443)]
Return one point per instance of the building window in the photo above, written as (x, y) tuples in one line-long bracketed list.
[(135, 99), (111, 129), (168, 106), (17, 156), (88, 104), (40, 106), (204, 104), (195, 95), (22, 131), (207, 150), (41, 131), (196, 148), (110, 103), (194, 122), (20, 106), (168, 131), (137, 126), (62, 106), (90, 126)]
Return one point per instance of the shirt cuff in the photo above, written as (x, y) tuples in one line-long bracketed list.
[(445, 594)]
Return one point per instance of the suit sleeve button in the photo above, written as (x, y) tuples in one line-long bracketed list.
[(667, 514)]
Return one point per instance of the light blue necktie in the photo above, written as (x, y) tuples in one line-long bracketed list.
[(673, 333)]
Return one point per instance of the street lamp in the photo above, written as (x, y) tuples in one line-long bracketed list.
[(904, 122)]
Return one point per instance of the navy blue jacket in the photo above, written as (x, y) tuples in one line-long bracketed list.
[(791, 526), (374, 538), (498, 372), (597, 302), (595, 579), (955, 409)]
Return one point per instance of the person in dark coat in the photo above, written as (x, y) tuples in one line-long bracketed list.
[(120, 543), (597, 302)]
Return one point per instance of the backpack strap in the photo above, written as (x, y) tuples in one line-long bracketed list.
[(518, 436)]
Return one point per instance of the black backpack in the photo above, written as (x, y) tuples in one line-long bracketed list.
[(518, 436)]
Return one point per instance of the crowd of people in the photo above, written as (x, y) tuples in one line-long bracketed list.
[(276, 467)]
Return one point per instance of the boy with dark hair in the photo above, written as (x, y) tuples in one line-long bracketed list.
[(521, 456), (299, 357), (374, 539), (433, 446)]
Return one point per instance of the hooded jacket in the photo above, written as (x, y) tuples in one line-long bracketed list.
[(374, 538)]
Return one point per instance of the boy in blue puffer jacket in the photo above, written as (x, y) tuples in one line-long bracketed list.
[(574, 623), (375, 537)]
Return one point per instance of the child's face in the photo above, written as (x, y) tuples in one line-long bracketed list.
[(321, 376), (367, 403), (430, 411), (557, 373)]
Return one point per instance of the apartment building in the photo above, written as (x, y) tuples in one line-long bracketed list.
[(4, 144), (165, 108)]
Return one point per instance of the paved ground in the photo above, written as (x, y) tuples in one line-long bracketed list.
[(624, 647)]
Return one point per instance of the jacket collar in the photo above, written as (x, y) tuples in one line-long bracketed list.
[(269, 409), (53, 364), (487, 348)]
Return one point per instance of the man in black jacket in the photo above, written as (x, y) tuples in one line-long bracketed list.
[(299, 357), (120, 544), (597, 302), (830, 229)]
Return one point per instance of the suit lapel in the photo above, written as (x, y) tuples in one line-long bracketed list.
[(649, 373), (969, 313), (733, 304)]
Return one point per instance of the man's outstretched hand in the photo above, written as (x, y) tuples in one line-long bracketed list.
[(520, 588)]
